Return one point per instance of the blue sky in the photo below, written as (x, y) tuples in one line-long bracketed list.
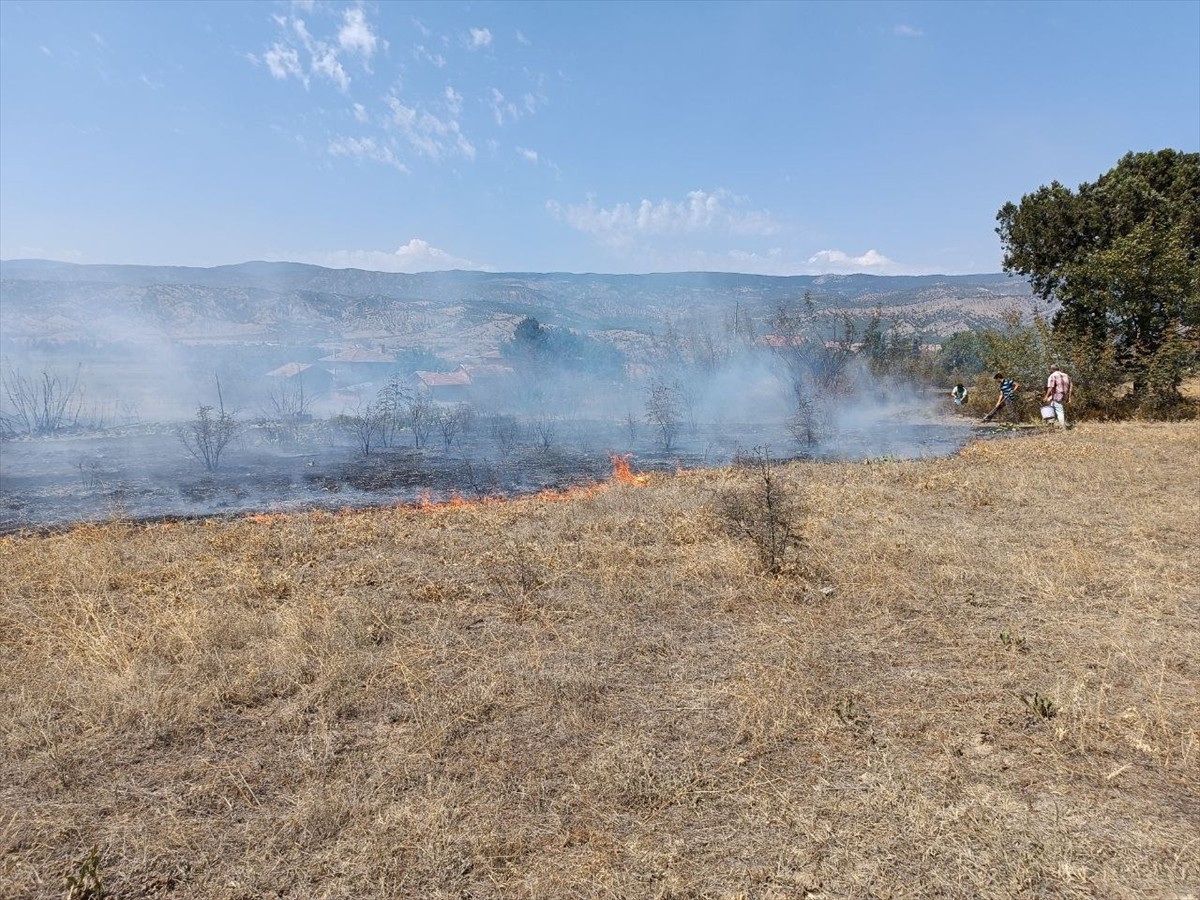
[(774, 138)]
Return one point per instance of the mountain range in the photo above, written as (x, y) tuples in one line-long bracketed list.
[(453, 311)]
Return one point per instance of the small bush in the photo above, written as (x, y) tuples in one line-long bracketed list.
[(1040, 705), (764, 509), (84, 881)]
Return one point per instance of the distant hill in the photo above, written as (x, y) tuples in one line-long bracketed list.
[(449, 311)]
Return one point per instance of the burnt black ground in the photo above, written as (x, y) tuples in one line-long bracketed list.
[(144, 472)]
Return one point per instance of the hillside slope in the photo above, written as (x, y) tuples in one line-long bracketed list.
[(288, 301)]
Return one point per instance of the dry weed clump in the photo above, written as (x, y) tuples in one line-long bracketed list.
[(612, 696)]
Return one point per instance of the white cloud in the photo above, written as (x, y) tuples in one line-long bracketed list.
[(429, 134), (521, 39), (360, 112), (325, 62), (838, 260), (530, 155), (356, 35), (701, 212), (907, 31), (366, 149), (415, 256), (453, 101), (284, 61), (480, 37)]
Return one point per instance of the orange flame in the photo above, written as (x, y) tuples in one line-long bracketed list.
[(622, 473)]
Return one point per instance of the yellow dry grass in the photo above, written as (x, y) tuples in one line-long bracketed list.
[(607, 698)]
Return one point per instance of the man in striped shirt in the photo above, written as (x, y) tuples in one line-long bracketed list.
[(1007, 398), (1058, 393)]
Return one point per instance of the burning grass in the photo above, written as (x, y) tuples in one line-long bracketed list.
[(608, 697)]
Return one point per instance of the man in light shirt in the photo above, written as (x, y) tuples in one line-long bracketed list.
[(1058, 393)]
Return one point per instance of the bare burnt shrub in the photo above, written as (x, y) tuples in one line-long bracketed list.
[(210, 433), (543, 430), (664, 411), (505, 431), (41, 404), (368, 425)]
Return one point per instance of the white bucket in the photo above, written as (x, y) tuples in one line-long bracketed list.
[(1048, 413)]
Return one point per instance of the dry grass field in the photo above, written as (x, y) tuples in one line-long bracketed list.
[(975, 677)]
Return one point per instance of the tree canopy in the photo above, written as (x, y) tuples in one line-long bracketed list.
[(1121, 255)]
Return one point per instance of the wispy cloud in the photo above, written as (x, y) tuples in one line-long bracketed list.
[(434, 59), (700, 212), (527, 154), (415, 256), (431, 135), (521, 39), (907, 31), (837, 260), (503, 110), (366, 149), (479, 38)]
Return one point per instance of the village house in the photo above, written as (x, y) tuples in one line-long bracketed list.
[(358, 365), (312, 381), (444, 387)]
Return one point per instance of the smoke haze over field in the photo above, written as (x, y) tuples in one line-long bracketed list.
[(371, 386)]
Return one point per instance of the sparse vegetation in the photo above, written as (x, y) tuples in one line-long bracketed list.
[(41, 404), (602, 696), (1040, 705), (1014, 641), (85, 882)]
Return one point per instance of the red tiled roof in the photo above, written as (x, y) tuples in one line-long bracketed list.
[(359, 355), (287, 370), (457, 378)]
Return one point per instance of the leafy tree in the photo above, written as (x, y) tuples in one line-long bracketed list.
[(1122, 257), (962, 354), (539, 347)]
